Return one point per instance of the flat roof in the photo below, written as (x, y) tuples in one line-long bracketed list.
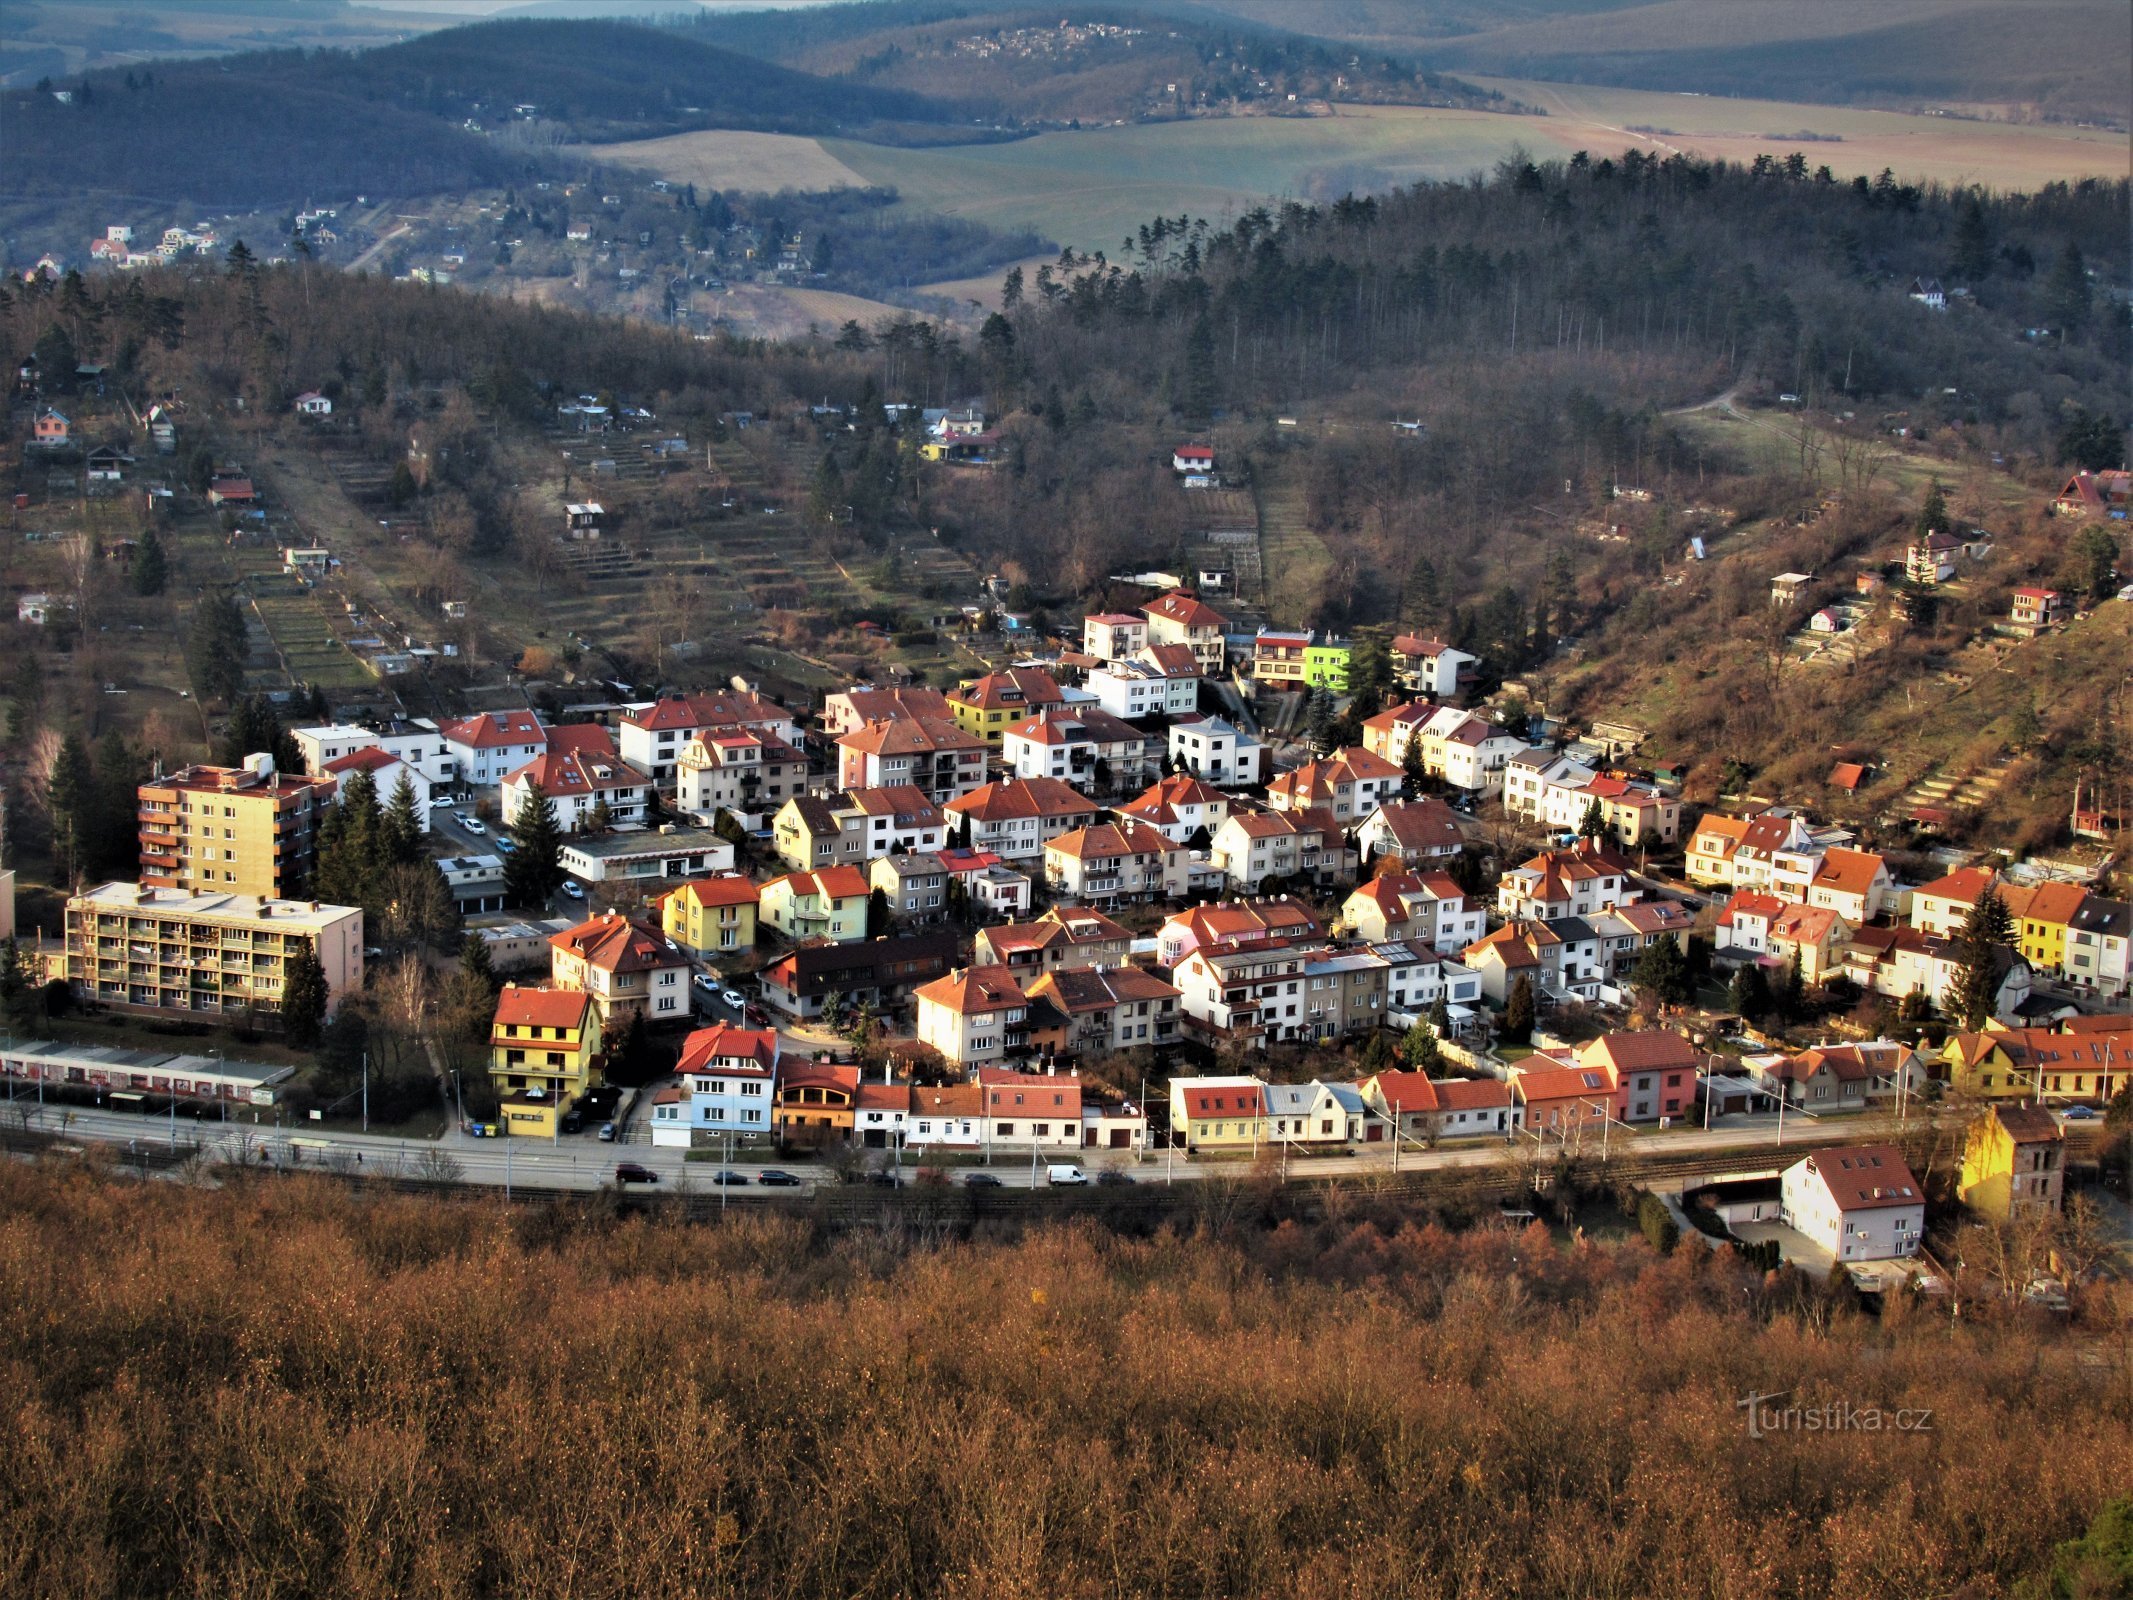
[(621, 845), (213, 906), (258, 1074)]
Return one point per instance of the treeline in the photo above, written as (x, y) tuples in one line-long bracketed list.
[(281, 1385)]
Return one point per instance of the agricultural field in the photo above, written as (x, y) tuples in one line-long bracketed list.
[(725, 158)]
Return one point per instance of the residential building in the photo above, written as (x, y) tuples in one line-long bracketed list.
[(245, 830), (711, 918), (2036, 610), (1655, 1072), (652, 736), (989, 886), (854, 827), (2014, 1165), (1252, 847), (829, 903), (489, 747), (1218, 1113), (737, 770), (1278, 657), (1568, 1103), (1415, 981), (628, 968), (1181, 807), (1814, 936), (1565, 958), (1116, 861), (1421, 834), (1243, 998), (1326, 664), (419, 745), (815, 1102), (1403, 1108), (1109, 1008), (879, 973), (1084, 745), (1428, 910), (633, 853), (1585, 878), (946, 1116), (1940, 907), (1859, 1204), (882, 1115), (1218, 751), (476, 882), (1314, 1116), (578, 784), (2095, 495), (728, 1088), (915, 886), (1040, 1109), (1898, 962), (973, 1015), (1930, 560), (1236, 925), (1430, 666), (2087, 1067), (1839, 1077), (1773, 850), (1343, 993), (1471, 1108), (1113, 636), (1626, 932), (2044, 916), (545, 1053), (854, 708), (2099, 946), (139, 947), (1744, 925), (1016, 818), (1856, 884), (1458, 748), (1556, 792), (988, 706), (1350, 784), (936, 756), (1181, 617), (1150, 684), (1064, 937)]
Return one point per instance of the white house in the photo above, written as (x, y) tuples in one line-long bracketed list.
[(421, 745), (972, 1015), (1083, 745), (313, 404), (388, 772), (1430, 666), (576, 782), (1140, 688), (488, 748), (1217, 750), (728, 1082), (1859, 1204), (1114, 636)]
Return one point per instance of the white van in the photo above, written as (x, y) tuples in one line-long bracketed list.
[(1065, 1175)]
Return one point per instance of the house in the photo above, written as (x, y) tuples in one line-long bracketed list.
[(852, 828), (1928, 293), (1815, 936), (312, 404), (1243, 998), (1430, 666), (1415, 981), (830, 903), (1939, 907), (387, 771), (545, 1052), (1016, 818), (1083, 745), (1326, 664), (2036, 610), (2044, 916), (1236, 925), (1218, 1113), (631, 853), (1155, 683), (2085, 1067), (1428, 910), (486, 749), (856, 707), (1564, 960), (1655, 1072), (1182, 618), (1557, 792), (1931, 560), (1112, 862), (711, 918), (584, 520), (2095, 494), (1405, 1103), (1310, 1116), (737, 770), (1773, 851), (1391, 731), (1065, 936), (814, 1103), (728, 1088), (578, 782), (1744, 925), (652, 737), (2099, 946), (1856, 884), (1575, 882), (1418, 833), (1859, 1204), (1344, 992), (1192, 458), (915, 886), (1251, 848), (1570, 1103), (1030, 1109), (2014, 1164), (973, 1015), (1217, 750), (1463, 750), (1899, 962), (1350, 783), (934, 755), (989, 887), (1182, 807), (1470, 1108), (629, 969), (1278, 657), (53, 430), (1626, 932), (1846, 1077), (1109, 1007), (990, 705), (880, 973), (1114, 636), (38, 609)]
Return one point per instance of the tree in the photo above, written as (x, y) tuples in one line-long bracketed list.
[(1971, 260), (1420, 1049), (2090, 567), (2067, 295), (304, 998), (1662, 973), (1792, 992), (475, 963), (1988, 927), (1932, 514), (2099, 1564), (1414, 777), (416, 905), (70, 797), (1657, 1224), (401, 829), (20, 1006), (216, 647), (2089, 440), (1518, 1011), (877, 914), (534, 870), (1749, 992), (111, 846), (151, 569), (255, 728), (599, 820), (1440, 1016), (351, 859), (1200, 368), (1593, 824)]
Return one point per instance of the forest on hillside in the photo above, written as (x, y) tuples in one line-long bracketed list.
[(282, 1386)]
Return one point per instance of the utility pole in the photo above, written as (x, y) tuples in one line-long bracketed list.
[(366, 1091)]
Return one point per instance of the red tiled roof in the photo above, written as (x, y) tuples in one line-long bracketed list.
[(615, 943), (1866, 1178), (541, 1008), (730, 1049), (973, 990), (1183, 606), (492, 729), (1015, 798)]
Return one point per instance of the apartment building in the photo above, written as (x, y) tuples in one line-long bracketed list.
[(245, 830), (163, 949)]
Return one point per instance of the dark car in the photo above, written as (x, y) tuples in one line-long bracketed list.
[(631, 1172), (1111, 1176), (981, 1180), (774, 1179), (884, 1180), (724, 1177)]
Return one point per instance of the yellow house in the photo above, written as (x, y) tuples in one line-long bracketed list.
[(2014, 1164), (1219, 1113), (2037, 1064), (990, 705), (544, 1053), (2042, 916), (711, 917), (827, 904)]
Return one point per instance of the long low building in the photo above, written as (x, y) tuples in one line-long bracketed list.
[(122, 1072), (156, 949), (634, 854)]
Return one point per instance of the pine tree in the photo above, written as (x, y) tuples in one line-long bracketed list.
[(151, 568), (474, 962), (20, 1009), (351, 859), (1749, 992), (1518, 1011), (216, 647), (1420, 1050), (1414, 777), (304, 998), (401, 828), (112, 846), (1593, 824), (599, 819), (877, 913), (71, 796), (1661, 973), (1792, 995), (534, 870), (1200, 369), (2067, 296), (1933, 514), (1987, 928), (1972, 258), (1440, 1017)]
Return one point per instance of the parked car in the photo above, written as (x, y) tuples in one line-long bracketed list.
[(729, 1179), (1111, 1177), (631, 1172), (504, 846), (1065, 1175), (471, 824), (607, 1133), (733, 998), (2078, 1113), (774, 1179), (573, 1121), (706, 982), (980, 1180), (574, 889)]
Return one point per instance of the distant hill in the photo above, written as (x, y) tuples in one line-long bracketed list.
[(273, 127)]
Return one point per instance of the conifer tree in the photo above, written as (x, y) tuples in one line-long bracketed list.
[(534, 870)]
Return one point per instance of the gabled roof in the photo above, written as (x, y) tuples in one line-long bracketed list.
[(541, 1008), (1084, 724), (1655, 916), (869, 703), (1223, 1100), (2029, 1124), (1405, 1093), (1965, 887), (971, 991), (615, 943), (1641, 1050), (368, 759), (1111, 839), (910, 736), (1848, 871), (716, 708), (1322, 779), (1014, 798), (1081, 990), (1160, 801), (494, 729), (1471, 1094), (584, 738), (1173, 660), (1427, 826), (563, 773), (841, 882), (1811, 925), (1184, 607), (729, 1049), (907, 803), (1009, 690), (720, 889), (1866, 1178), (1565, 1083)]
